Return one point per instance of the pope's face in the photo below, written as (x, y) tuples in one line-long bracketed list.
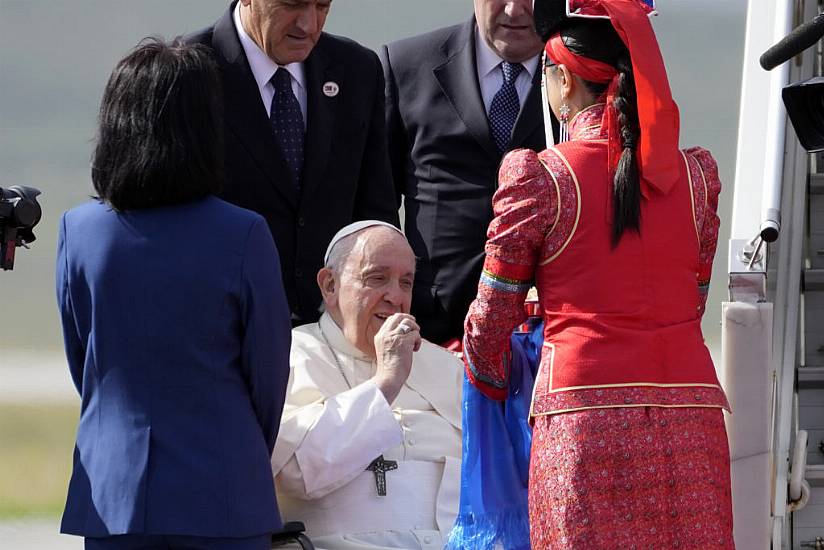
[(286, 30), (374, 282), (507, 26)]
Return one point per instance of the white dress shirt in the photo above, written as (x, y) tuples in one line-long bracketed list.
[(263, 69), (491, 76), (330, 432)]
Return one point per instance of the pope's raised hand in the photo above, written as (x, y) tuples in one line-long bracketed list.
[(398, 338)]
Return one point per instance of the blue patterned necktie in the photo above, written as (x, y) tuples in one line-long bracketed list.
[(505, 106), (287, 123)]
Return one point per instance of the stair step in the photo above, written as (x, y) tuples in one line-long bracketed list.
[(810, 377), (815, 475), (817, 182), (813, 279)]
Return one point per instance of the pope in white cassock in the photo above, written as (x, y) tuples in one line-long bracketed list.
[(369, 449)]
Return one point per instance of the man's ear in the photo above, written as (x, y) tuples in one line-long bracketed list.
[(328, 286), (246, 3)]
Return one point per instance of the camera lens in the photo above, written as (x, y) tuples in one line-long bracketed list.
[(815, 109), (805, 106), (25, 213)]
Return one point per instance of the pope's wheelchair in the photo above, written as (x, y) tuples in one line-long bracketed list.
[(292, 532)]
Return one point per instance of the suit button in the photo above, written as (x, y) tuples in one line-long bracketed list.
[(298, 273), (301, 222)]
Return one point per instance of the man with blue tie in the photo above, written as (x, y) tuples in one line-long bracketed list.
[(305, 134), (457, 99)]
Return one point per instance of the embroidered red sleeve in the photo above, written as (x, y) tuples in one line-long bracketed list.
[(523, 207), (706, 189)]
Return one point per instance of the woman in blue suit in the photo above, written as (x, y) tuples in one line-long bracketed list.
[(175, 323)]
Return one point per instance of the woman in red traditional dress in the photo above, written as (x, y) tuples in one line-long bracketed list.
[(617, 229)]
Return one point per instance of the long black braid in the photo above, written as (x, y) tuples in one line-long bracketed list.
[(597, 39), (626, 196)]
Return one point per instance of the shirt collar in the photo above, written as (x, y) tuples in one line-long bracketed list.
[(487, 60), (337, 339), (263, 68)]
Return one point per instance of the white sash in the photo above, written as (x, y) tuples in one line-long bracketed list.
[(420, 497)]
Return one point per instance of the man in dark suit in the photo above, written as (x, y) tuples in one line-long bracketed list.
[(457, 99), (305, 134)]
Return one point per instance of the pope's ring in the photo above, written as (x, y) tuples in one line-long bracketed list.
[(404, 328)]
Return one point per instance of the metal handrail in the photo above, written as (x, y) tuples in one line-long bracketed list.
[(776, 129)]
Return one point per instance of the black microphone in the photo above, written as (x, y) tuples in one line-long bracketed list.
[(801, 38)]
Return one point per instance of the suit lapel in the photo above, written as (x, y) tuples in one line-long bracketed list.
[(321, 111), (531, 117), (458, 78), (245, 114)]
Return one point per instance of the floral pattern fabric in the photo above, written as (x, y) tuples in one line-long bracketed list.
[(630, 478), (706, 186), (576, 400)]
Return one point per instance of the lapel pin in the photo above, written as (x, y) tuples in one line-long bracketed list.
[(331, 89)]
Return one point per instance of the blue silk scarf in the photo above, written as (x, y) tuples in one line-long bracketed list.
[(495, 462)]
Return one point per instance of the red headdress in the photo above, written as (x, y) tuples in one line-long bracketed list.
[(657, 152)]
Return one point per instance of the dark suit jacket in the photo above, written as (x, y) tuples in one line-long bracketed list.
[(177, 336), (346, 173), (445, 165)]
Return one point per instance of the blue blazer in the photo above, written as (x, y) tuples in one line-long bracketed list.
[(177, 336)]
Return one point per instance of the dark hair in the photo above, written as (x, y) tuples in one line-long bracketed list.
[(548, 15), (160, 134), (596, 39)]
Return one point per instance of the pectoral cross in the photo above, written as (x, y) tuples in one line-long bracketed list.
[(379, 467)]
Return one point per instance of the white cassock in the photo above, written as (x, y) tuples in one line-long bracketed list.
[(330, 432)]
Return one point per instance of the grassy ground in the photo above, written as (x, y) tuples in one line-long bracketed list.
[(36, 443)]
